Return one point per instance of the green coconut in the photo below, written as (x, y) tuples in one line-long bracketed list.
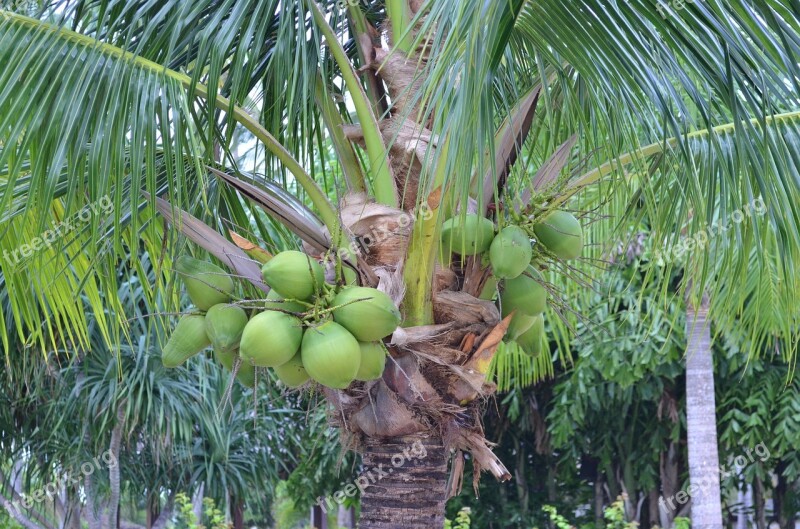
[(188, 339), (331, 355), (367, 313), (294, 275), (489, 289), (524, 294), (270, 339), (561, 233), (373, 360), (206, 283), (532, 340), (292, 373), (510, 253), (224, 325), (246, 374), (277, 302), (520, 323), (469, 235)]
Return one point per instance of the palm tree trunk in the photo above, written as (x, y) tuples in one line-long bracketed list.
[(113, 470), (405, 491), (701, 421), (346, 517)]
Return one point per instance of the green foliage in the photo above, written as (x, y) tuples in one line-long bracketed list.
[(681, 523), (559, 521), (461, 521), (613, 514), (7, 522), (187, 519)]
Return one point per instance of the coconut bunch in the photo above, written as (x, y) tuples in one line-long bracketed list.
[(304, 329), (506, 259)]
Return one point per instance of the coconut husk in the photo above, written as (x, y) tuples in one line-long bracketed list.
[(463, 308), (403, 376), (382, 232), (401, 76), (455, 482), (472, 441), (444, 279), (385, 416), (406, 337)]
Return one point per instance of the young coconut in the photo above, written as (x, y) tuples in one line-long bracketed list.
[(331, 355), (188, 339), (524, 294), (246, 374), (367, 313), (520, 324), (294, 274), (373, 360), (532, 340), (270, 338), (277, 302), (206, 283), (224, 325), (561, 233), (470, 235), (292, 373), (510, 252)]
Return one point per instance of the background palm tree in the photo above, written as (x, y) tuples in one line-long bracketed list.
[(114, 103)]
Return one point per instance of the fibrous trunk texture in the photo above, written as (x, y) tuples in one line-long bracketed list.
[(701, 424), (410, 484)]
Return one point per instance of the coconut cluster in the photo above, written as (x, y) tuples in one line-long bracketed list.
[(307, 328), (510, 253)]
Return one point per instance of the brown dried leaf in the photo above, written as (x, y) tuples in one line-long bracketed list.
[(253, 250), (483, 356)]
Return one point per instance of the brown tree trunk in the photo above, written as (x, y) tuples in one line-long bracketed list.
[(759, 502), (669, 485), (404, 491), (653, 517), (237, 513), (319, 517), (599, 504), (783, 513), (153, 510)]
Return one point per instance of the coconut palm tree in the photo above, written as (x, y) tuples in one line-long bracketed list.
[(118, 116)]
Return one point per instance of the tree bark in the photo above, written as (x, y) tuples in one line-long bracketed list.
[(404, 491), (653, 517), (599, 518), (346, 517), (759, 504), (669, 483), (783, 512), (701, 421), (197, 501), (113, 469), (165, 516), (237, 512), (319, 517)]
